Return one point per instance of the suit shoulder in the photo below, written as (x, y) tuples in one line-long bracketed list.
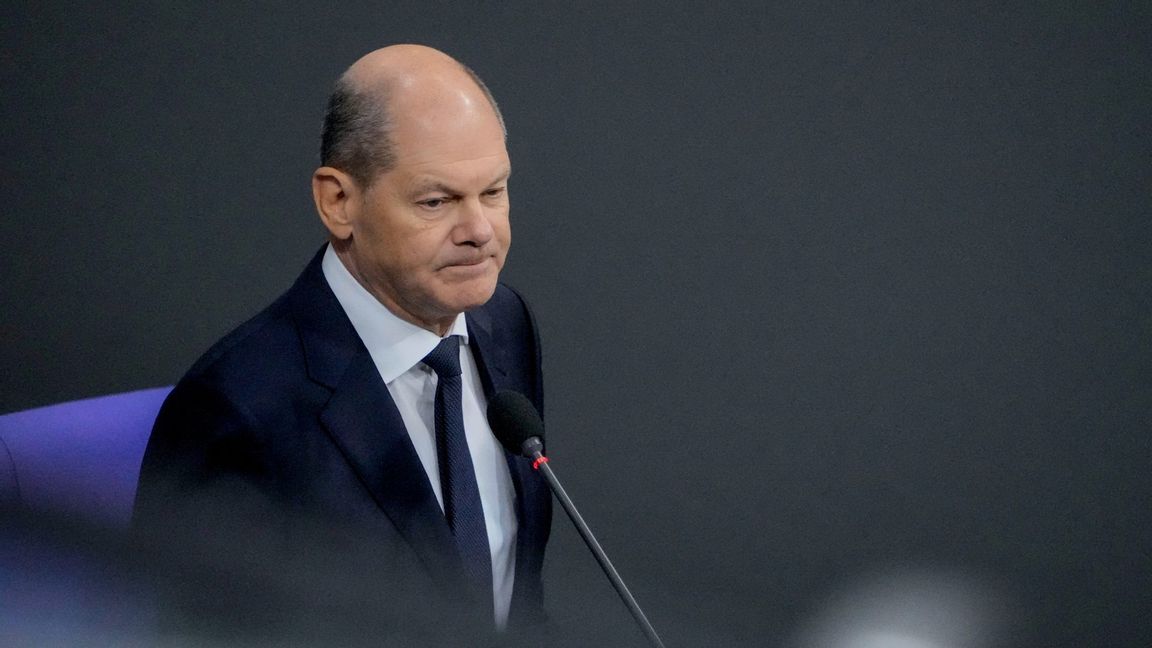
[(260, 347), (507, 302), (268, 328)]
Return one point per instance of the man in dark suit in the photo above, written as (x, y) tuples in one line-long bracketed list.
[(325, 473)]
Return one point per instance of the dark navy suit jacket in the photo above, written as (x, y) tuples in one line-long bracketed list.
[(280, 482)]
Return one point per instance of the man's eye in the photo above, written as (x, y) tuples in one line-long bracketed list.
[(433, 203), (492, 193)]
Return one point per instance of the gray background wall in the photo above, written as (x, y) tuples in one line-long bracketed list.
[(831, 293)]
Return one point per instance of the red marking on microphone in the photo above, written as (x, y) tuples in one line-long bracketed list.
[(536, 464)]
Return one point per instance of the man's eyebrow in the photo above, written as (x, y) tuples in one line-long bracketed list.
[(432, 184)]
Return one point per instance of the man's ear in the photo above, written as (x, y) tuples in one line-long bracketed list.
[(337, 200)]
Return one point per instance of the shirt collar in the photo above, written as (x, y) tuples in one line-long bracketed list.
[(394, 344)]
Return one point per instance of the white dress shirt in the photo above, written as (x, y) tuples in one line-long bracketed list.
[(397, 348)]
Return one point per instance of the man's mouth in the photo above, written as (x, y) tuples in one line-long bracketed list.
[(471, 261), (467, 263)]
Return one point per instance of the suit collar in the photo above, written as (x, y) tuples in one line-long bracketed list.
[(329, 341), (490, 353), (395, 345)]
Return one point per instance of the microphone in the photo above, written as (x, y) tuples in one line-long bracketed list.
[(517, 425)]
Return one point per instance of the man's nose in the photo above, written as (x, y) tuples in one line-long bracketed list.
[(474, 226)]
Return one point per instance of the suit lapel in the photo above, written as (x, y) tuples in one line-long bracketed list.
[(492, 361), (363, 421)]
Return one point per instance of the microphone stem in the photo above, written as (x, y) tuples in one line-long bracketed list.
[(601, 557)]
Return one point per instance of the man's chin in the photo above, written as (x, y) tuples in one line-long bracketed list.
[(472, 294)]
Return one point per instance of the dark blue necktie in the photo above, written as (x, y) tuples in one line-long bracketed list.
[(462, 506)]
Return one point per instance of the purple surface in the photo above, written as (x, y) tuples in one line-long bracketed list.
[(80, 457)]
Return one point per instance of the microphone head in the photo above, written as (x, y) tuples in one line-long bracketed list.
[(514, 420)]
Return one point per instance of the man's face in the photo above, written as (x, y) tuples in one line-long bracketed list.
[(430, 235)]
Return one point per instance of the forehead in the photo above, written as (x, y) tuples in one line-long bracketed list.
[(450, 149)]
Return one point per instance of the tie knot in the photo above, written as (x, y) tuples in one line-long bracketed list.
[(445, 358)]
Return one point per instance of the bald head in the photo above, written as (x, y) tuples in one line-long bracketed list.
[(412, 85)]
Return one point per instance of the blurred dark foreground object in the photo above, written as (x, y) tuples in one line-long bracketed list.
[(66, 582)]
